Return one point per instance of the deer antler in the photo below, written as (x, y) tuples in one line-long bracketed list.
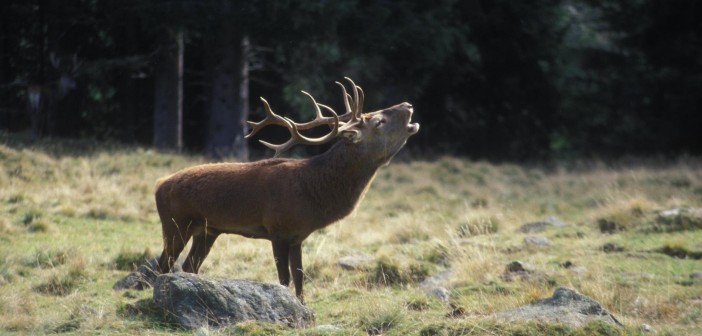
[(354, 110), (293, 127)]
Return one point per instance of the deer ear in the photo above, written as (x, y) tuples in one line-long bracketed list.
[(352, 135)]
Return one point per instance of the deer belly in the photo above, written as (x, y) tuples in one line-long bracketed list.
[(258, 232)]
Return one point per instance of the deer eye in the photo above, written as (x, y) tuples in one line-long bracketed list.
[(379, 122)]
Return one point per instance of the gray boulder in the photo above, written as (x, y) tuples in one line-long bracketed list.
[(193, 301), (566, 306)]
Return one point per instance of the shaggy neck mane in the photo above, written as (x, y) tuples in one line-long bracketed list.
[(338, 178)]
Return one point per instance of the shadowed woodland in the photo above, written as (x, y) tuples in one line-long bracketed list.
[(502, 80)]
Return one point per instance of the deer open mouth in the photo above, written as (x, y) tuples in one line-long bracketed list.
[(413, 128)]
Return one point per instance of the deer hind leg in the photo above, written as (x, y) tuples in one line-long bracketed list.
[(295, 254), (175, 236), (281, 252), (202, 243)]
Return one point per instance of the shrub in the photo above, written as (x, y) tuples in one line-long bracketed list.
[(58, 284)]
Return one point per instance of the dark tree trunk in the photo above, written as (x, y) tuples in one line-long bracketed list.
[(228, 104), (4, 101), (168, 94)]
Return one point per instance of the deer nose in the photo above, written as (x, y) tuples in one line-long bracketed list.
[(408, 106)]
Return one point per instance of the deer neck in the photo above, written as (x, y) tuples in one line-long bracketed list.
[(338, 179)]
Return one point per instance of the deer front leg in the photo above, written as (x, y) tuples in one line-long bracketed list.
[(296, 268), (280, 254)]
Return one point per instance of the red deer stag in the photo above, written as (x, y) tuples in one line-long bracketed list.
[(282, 200)]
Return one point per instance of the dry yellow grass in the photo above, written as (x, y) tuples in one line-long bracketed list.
[(70, 215)]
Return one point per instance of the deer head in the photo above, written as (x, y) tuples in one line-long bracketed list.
[(380, 134)]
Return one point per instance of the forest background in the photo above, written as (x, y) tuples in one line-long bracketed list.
[(498, 80)]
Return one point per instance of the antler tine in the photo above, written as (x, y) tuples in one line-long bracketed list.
[(347, 103), (361, 97), (284, 146), (319, 119), (356, 109), (270, 119)]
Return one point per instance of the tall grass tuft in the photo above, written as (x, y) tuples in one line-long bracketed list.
[(128, 260), (48, 258), (58, 284), (378, 316)]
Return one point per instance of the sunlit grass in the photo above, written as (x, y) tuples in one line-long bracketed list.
[(76, 218)]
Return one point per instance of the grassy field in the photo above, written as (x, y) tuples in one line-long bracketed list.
[(74, 217)]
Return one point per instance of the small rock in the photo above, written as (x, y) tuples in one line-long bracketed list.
[(441, 293), (519, 267), (566, 306), (355, 262), (608, 226), (538, 241), (194, 302), (432, 285), (540, 226), (456, 311), (519, 270), (612, 247), (696, 275), (573, 268), (143, 277), (645, 328)]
